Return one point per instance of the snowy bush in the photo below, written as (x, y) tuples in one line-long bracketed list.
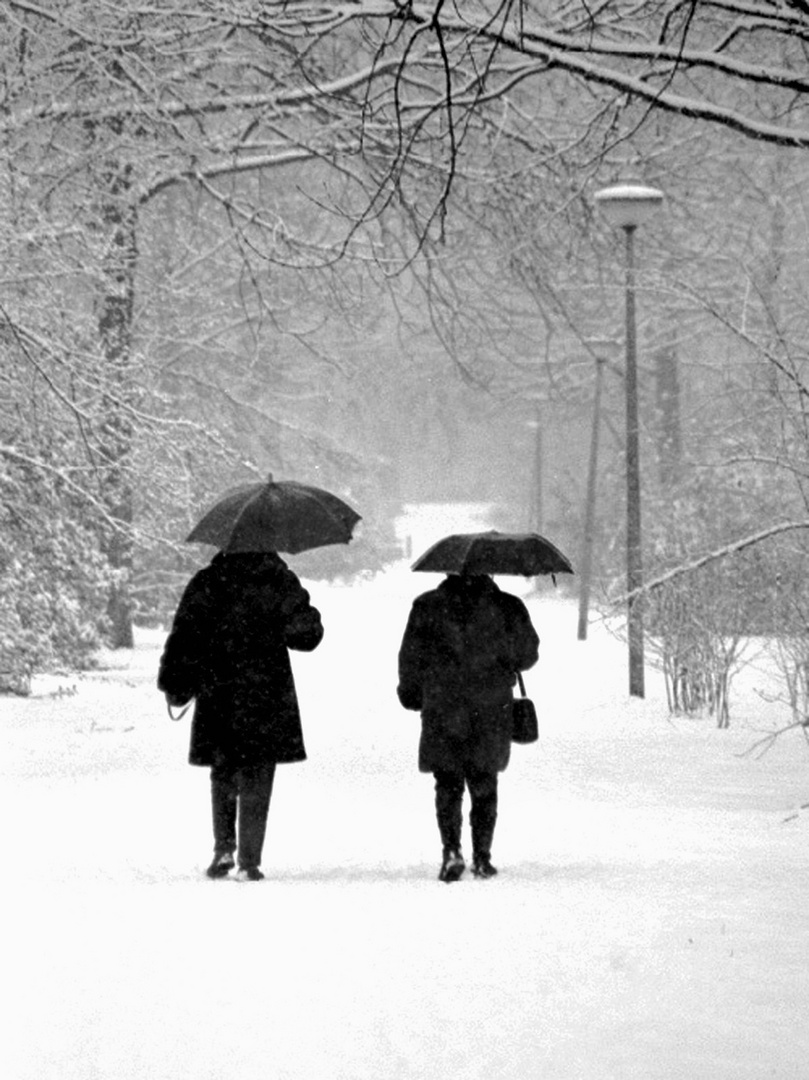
[(788, 643), (53, 595), (694, 630), (701, 621)]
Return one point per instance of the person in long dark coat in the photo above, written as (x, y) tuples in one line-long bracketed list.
[(462, 647), (228, 649)]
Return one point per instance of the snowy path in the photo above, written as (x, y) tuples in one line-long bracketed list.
[(649, 920)]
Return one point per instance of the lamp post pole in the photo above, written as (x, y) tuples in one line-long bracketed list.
[(589, 508), (628, 205), (634, 552), (538, 500)]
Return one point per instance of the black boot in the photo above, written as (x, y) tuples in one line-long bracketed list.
[(221, 866), (482, 865), (255, 791), (224, 799), (483, 818), (452, 866), (249, 873), (449, 788)]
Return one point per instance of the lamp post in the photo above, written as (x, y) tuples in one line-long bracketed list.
[(536, 501), (586, 572), (629, 205)]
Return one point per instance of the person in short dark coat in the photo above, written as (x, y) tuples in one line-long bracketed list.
[(228, 649), (463, 644)]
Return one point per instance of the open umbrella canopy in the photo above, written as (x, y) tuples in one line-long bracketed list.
[(275, 515), (494, 553)]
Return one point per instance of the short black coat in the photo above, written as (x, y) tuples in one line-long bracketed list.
[(462, 647), (228, 649)]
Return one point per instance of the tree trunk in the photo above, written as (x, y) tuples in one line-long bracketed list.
[(667, 384), (116, 430)]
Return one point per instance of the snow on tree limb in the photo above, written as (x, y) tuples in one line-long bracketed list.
[(693, 67), (719, 553)]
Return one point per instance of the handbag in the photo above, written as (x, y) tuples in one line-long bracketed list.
[(524, 727)]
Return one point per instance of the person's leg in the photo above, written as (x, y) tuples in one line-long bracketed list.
[(449, 788), (223, 810), (482, 818), (255, 790)]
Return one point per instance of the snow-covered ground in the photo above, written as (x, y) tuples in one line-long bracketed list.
[(650, 919)]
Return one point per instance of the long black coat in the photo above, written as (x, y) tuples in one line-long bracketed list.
[(228, 648), (463, 644)]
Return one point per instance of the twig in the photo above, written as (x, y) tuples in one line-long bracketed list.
[(768, 740), (797, 814)]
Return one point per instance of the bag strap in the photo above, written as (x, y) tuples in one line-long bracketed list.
[(522, 684), (182, 712)]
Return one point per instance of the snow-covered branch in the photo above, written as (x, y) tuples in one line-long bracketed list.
[(719, 553)]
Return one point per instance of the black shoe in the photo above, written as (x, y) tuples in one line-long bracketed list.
[(452, 867), (221, 865), (249, 873), (482, 867)]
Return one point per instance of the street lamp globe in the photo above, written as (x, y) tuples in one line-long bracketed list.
[(629, 204)]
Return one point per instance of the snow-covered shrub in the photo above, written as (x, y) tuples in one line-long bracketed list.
[(701, 620), (788, 637), (53, 595), (695, 631)]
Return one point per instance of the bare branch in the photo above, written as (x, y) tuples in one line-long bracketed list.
[(720, 553)]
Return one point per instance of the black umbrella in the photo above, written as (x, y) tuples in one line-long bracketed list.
[(275, 516), (494, 553)]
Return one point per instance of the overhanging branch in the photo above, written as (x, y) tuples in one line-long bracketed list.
[(719, 553)]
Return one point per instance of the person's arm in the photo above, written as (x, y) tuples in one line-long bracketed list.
[(524, 638), (411, 654), (184, 653), (303, 627)]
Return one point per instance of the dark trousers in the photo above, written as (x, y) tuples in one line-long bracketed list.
[(449, 790), (244, 792)]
